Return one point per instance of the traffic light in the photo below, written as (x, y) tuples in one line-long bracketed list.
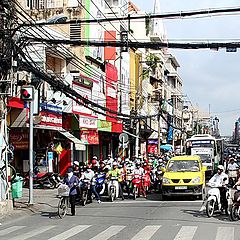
[(27, 93)]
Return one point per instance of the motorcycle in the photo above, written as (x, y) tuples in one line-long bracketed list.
[(55, 179), (146, 182), (40, 180), (100, 183), (235, 208), (85, 185), (113, 188), (137, 184), (157, 185), (213, 202), (232, 174)]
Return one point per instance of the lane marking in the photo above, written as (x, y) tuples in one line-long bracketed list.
[(146, 233), (150, 201), (186, 233), (32, 233), (225, 233), (10, 229), (71, 232), (108, 233)]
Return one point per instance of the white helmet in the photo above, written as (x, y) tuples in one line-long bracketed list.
[(221, 167)]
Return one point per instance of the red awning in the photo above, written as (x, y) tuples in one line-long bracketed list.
[(15, 102)]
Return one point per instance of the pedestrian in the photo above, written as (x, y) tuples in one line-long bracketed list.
[(72, 181)]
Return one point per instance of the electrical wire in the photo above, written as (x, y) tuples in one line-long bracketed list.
[(175, 15)]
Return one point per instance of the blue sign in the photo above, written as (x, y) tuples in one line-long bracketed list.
[(51, 108)]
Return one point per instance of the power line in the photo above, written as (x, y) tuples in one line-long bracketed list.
[(175, 15), (150, 45)]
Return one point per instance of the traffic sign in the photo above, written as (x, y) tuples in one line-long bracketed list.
[(27, 93), (123, 138)]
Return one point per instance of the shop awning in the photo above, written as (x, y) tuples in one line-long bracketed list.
[(79, 145)]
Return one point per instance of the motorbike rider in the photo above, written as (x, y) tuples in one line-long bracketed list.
[(115, 172), (139, 171), (232, 165), (221, 180), (90, 174)]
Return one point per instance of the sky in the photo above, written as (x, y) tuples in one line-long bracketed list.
[(210, 78)]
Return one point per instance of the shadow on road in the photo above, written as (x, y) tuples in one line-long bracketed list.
[(202, 214)]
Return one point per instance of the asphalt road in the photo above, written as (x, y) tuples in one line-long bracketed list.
[(134, 220)]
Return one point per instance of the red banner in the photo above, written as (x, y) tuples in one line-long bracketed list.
[(90, 136), (112, 96), (51, 119), (153, 149)]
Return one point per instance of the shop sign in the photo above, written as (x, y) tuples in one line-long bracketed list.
[(153, 149), (51, 108), (88, 122), (51, 119), (19, 140), (104, 126), (89, 137), (87, 94), (153, 141)]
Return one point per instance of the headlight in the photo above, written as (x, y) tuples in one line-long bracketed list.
[(196, 180), (166, 180)]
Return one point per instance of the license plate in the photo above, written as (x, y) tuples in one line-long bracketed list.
[(181, 187)]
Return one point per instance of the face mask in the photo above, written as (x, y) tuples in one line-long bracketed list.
[(70, 174)]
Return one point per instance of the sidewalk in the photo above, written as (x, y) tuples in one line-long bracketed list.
[(45, 202)]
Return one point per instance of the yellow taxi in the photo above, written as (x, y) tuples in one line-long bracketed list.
[(184, 175)]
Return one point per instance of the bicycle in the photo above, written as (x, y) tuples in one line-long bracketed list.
[(63, 204), (7, 175)]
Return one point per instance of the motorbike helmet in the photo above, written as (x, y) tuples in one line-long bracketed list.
[(221, 167), (76, 163), (94, 162), (115, 164)]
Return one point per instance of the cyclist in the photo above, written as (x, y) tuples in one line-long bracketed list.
[(72, 181)]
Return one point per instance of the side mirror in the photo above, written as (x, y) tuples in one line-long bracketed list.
[(204, 168), (163, 169)]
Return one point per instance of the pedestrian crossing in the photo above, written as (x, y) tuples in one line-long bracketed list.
[(149, 232)]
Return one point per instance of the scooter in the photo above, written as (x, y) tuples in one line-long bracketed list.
[(113, 187), (235, 209), (213, 202), (232, 175), (137, 184), (40, 180), (85, 185), (100, 183)]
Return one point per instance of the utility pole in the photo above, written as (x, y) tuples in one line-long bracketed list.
[(159, 132), (27, 94), (137, 139), (30, 152)]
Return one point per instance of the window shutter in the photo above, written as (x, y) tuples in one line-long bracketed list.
[(75, 31)]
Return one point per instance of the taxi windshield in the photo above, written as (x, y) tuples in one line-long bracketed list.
[(183, 166)]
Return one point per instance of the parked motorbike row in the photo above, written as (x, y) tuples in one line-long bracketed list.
[(43, 180)]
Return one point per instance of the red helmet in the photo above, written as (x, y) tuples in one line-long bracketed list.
[(94, 162)]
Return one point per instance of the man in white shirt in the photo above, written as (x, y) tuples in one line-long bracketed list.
[(232, 165), (221, 180)]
